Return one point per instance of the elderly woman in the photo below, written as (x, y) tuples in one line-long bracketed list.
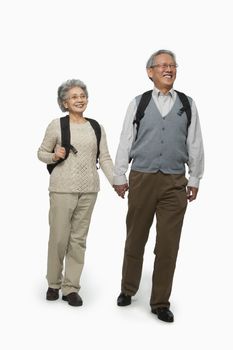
[(74, 184)]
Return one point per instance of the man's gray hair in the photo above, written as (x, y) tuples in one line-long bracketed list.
[(65, 87), (151, 60)]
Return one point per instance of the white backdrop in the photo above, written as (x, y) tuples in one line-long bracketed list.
[(106, 44)]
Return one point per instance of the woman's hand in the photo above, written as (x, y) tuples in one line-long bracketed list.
[(59, 153)]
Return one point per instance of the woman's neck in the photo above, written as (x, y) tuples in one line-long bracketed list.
[(77, 118)]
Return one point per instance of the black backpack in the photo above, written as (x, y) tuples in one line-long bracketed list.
[(145, 99), (65, 139)]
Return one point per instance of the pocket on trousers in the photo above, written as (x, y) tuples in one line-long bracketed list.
[(135, 183), (179, 181), (135, 179)]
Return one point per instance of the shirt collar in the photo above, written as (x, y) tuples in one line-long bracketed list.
[(157, 92)]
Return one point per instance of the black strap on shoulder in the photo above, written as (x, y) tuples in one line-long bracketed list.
[(145, 99), (65, 141), (143, 103), (65, 134), (97, 129), (186, 106)]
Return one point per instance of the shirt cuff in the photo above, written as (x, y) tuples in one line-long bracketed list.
[(119, 180), (193, 182)]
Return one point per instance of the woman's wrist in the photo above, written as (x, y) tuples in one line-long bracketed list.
[(55, 158)]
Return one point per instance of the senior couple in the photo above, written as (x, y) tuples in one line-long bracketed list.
[(161, 135)]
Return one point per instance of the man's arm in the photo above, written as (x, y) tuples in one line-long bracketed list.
[(120, 183), (196, 154)]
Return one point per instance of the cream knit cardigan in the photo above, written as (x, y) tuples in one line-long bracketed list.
[(78, 172)]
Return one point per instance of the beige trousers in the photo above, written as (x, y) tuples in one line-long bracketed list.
[(69, 220)]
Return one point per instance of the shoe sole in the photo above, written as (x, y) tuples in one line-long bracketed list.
[(52, 298), (124, 304)]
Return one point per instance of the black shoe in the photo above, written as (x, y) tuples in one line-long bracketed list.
[(52, 294), (123, 300), (164, 314), (73, 299)]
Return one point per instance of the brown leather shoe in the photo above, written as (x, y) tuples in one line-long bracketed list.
[(52, 294), (73, 299)]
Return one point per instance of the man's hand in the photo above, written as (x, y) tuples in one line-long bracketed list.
[(121, 189), (60, 152), (192, 193)]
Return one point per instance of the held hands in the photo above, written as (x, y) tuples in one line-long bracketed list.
[(192, 193), (59, 153), (121, 189)]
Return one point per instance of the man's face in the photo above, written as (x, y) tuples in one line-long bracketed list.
[(163, 73)]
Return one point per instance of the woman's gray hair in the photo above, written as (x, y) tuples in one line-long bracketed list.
[(65, 87), (151, 60)]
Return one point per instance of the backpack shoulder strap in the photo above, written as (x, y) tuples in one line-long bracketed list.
[(65, 141), (65, 134), (186, 106), (143, 103), (97, 129)]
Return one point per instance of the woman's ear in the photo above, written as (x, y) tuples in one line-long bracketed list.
[(65, 104)]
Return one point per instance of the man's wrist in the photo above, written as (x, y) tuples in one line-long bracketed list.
[(119, 180), (193, 182)]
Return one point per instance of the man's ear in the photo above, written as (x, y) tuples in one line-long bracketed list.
[(149, 73)]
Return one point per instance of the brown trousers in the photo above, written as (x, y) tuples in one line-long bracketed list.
[(163, 195)]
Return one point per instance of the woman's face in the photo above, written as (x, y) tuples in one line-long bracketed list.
[(76, 100)]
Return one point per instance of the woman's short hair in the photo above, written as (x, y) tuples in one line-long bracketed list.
[(65, 87), (151, 60)]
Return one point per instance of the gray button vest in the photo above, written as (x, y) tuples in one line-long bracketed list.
[(161, 141)]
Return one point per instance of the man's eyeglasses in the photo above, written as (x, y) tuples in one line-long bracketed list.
[(165, 66)]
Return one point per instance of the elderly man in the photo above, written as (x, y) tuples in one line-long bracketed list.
[(161, 133)]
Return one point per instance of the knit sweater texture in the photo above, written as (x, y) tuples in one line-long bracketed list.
[(78, 173)]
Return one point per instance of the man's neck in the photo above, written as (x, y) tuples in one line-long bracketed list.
[(164, 90)]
